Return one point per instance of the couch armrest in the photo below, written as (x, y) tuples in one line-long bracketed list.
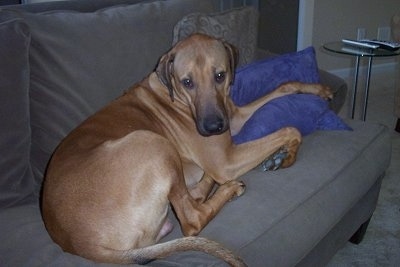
[(338, 86)]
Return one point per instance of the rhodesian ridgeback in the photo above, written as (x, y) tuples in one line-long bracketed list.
[(167, 140)]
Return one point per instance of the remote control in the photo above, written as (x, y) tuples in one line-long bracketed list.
[(387, 45), (360, 44)]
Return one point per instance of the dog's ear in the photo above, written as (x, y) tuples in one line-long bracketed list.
[(233, 54), (164, 72)]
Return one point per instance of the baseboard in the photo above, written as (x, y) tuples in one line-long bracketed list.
[(376, 69)]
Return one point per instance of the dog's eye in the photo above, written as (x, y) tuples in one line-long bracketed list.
[(220, 77), (187, 83)]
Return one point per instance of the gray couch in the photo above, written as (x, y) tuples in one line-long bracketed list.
[(59, 67)]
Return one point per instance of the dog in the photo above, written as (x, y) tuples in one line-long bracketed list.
[(165, 141)]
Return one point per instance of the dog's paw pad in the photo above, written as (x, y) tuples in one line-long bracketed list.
[(275, 161)]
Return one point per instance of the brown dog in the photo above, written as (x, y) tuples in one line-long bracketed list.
[(167, 140)]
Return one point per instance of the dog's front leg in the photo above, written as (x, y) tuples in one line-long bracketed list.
[(239, 159), (250, 154)]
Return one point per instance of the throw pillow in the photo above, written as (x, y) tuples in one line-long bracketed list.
[(16, 182), (306, 112), (237, 26)]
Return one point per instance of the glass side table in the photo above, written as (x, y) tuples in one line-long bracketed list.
[(341, 48)]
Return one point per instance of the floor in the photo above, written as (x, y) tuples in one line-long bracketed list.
[(381, 244)]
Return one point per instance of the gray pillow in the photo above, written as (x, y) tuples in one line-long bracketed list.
[(236, 26), (16, 182)]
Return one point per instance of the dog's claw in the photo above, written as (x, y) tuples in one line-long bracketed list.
[(275, 161), (240, 189), (326, 93)]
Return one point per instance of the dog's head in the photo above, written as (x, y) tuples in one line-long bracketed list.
[(199, 71)]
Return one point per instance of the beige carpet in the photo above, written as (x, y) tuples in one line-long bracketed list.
[(381, 244)]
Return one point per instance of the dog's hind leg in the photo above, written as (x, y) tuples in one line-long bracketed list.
[(201, 191), (241, 114), (164, 174), (194, 214)]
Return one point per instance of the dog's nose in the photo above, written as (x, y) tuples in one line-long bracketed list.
[(214, 125)]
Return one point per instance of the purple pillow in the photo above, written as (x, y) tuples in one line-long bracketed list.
[(306, 112)]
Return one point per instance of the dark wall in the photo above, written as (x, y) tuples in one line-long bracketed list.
[(278, 25)]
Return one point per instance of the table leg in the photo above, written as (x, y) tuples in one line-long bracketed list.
[(353, 100), (364, 114)]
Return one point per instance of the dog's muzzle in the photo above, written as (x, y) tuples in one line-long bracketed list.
[(212, 125)]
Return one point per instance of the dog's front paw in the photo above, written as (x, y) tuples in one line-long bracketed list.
[(275, 161)]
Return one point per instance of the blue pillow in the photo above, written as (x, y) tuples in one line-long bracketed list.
[(306, 112)]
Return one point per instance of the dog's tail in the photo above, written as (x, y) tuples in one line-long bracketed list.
[(161, 250)]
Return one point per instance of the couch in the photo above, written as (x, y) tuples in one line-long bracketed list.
[(61, 61)]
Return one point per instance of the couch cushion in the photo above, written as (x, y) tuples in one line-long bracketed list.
[(81, 61), (237, 26), (16, 181)]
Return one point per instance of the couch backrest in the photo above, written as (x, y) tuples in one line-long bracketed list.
[(71, 63)]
